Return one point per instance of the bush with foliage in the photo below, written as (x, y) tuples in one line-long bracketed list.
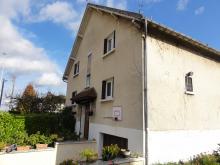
[(16, 129), (39, 139), (69, 162), (89, 155), (2, 146), (201, 159), (110, 152), (11, 130)]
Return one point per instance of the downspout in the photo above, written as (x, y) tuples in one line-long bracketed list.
[(144, 93)]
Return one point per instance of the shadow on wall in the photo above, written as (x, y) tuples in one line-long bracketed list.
[(72, 150)]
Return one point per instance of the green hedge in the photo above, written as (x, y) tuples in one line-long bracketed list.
[(15, 128), (11, 130)]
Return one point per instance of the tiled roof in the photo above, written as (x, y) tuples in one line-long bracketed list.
[(119, 11)]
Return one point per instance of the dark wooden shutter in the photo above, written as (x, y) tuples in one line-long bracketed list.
[(113, 87), (103, 89), (105, 46), (114, 40), (73, 95)]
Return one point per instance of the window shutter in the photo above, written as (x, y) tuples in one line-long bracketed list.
[(103, 89), (73, 95), (105, 46), (114, 40), (113, 87)]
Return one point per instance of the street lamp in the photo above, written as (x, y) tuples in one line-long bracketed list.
[(2, 79), (2, 90)]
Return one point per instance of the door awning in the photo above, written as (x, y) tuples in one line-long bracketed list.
[(85, 96)]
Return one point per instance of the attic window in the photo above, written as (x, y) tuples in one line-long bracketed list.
[(76, 69), (109, 43), (189, 83)]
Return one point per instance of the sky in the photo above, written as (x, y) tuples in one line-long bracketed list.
[(36, 36)]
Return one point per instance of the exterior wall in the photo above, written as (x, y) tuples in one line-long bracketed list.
[(134, 136), (42, 157), (124, 64), (180, 123), (53, 156), (72, 150)]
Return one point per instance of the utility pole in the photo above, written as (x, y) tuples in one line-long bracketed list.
[(2, 90)]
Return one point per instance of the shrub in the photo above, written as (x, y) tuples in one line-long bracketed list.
[(39, 139), (69, 162), (11, 130), (89, 155), (2, 146), (110, 152)]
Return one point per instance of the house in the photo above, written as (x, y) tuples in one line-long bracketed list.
[(143, 86)]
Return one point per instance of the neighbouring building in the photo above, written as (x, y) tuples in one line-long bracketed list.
[(143, 86)]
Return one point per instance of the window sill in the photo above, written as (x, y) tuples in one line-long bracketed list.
[(106, 100), (189, 93), (75, 75), (108, 53)]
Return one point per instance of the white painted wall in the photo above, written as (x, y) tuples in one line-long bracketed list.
[(52, 156), (35, 157), (134, 136), (166, 146)]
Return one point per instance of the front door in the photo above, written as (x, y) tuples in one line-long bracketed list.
[(86, 124)]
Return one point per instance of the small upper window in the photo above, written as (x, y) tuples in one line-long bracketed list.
[(76, 69), (107, 89), (109, 43), (189, 82), (74, 93), (88, 80)]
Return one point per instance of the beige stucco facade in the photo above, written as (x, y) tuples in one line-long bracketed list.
[(169, 108), (124, 64), (173, 116)]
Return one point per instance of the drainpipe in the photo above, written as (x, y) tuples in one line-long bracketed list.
[(144, 93)]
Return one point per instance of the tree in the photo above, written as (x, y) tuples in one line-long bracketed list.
[(29, 91), (29, 101)]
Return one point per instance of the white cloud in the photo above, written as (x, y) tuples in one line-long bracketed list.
[(23, 56), (14, 8), (120, 4), (59, 12), (200, 10), (182, 4), (48, 79)]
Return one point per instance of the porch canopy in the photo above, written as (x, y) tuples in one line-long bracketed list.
[(85, 96)]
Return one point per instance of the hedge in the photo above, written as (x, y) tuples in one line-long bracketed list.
[(14, 127)]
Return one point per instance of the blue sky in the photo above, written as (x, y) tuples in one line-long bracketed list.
[(37, 35)]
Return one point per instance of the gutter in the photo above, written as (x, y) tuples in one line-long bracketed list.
[(144, 93)]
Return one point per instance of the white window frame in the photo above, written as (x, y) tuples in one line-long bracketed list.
[(106, 89), (88, 83), (110, 47), (76, 64), (187, 77)]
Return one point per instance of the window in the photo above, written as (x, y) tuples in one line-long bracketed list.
[(73, 95), (109, 43), (76, 69), (88, 80), (88, 74), (107, 89), (189, 82)]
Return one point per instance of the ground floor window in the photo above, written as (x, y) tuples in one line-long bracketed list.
[(110, 139)]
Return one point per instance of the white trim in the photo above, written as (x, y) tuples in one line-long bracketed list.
[(106, 100), (175, 145), (189, 93), (108, 53)]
